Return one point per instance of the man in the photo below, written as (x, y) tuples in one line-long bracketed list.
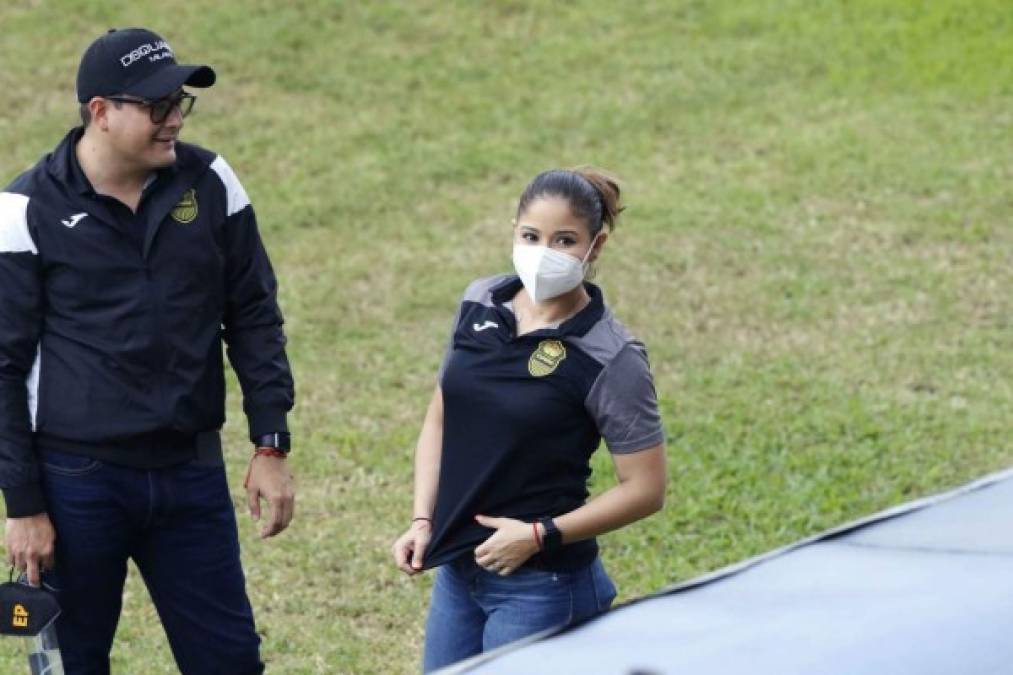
[(126, 257)]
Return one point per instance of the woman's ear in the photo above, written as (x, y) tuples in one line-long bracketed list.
[(598, 245)]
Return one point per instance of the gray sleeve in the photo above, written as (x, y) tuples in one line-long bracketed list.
[(623, 403), (450, 345)]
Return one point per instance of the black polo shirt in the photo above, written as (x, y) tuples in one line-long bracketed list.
[(523, 415)]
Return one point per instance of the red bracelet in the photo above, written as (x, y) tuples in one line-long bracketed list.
[(538, 536), (428, 520), (270, 452)]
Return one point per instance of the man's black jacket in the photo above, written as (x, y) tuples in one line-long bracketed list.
[(111, 332)]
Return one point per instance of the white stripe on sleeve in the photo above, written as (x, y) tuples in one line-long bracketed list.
[(14, 236), (33, 386), (237, 198)]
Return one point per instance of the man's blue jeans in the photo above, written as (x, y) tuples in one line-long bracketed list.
[(473, 610), (179, 526)]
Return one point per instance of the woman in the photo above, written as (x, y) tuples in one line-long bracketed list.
[(537, 373)]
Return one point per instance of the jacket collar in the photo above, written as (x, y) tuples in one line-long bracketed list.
[(62, 165)]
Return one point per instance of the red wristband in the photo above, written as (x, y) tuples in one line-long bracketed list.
[(270, 452), (538, 536)]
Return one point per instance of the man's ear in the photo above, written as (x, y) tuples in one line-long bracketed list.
[(99, 109)]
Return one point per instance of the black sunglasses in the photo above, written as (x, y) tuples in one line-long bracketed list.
[(160, 109)]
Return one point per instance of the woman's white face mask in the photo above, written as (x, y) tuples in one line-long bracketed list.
[(547, 273)]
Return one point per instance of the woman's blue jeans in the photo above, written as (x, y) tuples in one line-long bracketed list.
[(473, 610)]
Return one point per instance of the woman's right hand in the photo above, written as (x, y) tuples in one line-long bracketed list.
[(410, 548)]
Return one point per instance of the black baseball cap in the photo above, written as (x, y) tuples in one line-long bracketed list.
[(136, 62)]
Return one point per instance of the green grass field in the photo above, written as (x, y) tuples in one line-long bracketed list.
[(817, 252)]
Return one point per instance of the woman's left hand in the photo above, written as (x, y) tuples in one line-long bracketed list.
[(508, 548)]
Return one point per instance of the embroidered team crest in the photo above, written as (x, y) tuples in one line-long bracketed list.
[(546, 358), (186, 210)]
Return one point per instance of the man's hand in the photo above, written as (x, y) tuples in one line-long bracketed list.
[(269, 478), (29, 542)]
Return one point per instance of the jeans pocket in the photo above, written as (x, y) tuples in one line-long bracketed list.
[(68, 464), (604, 590)]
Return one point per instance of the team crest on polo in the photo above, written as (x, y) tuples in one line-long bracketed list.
[(185, 210), (546, 358)]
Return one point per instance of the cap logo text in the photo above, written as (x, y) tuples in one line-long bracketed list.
[(157, 51)]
